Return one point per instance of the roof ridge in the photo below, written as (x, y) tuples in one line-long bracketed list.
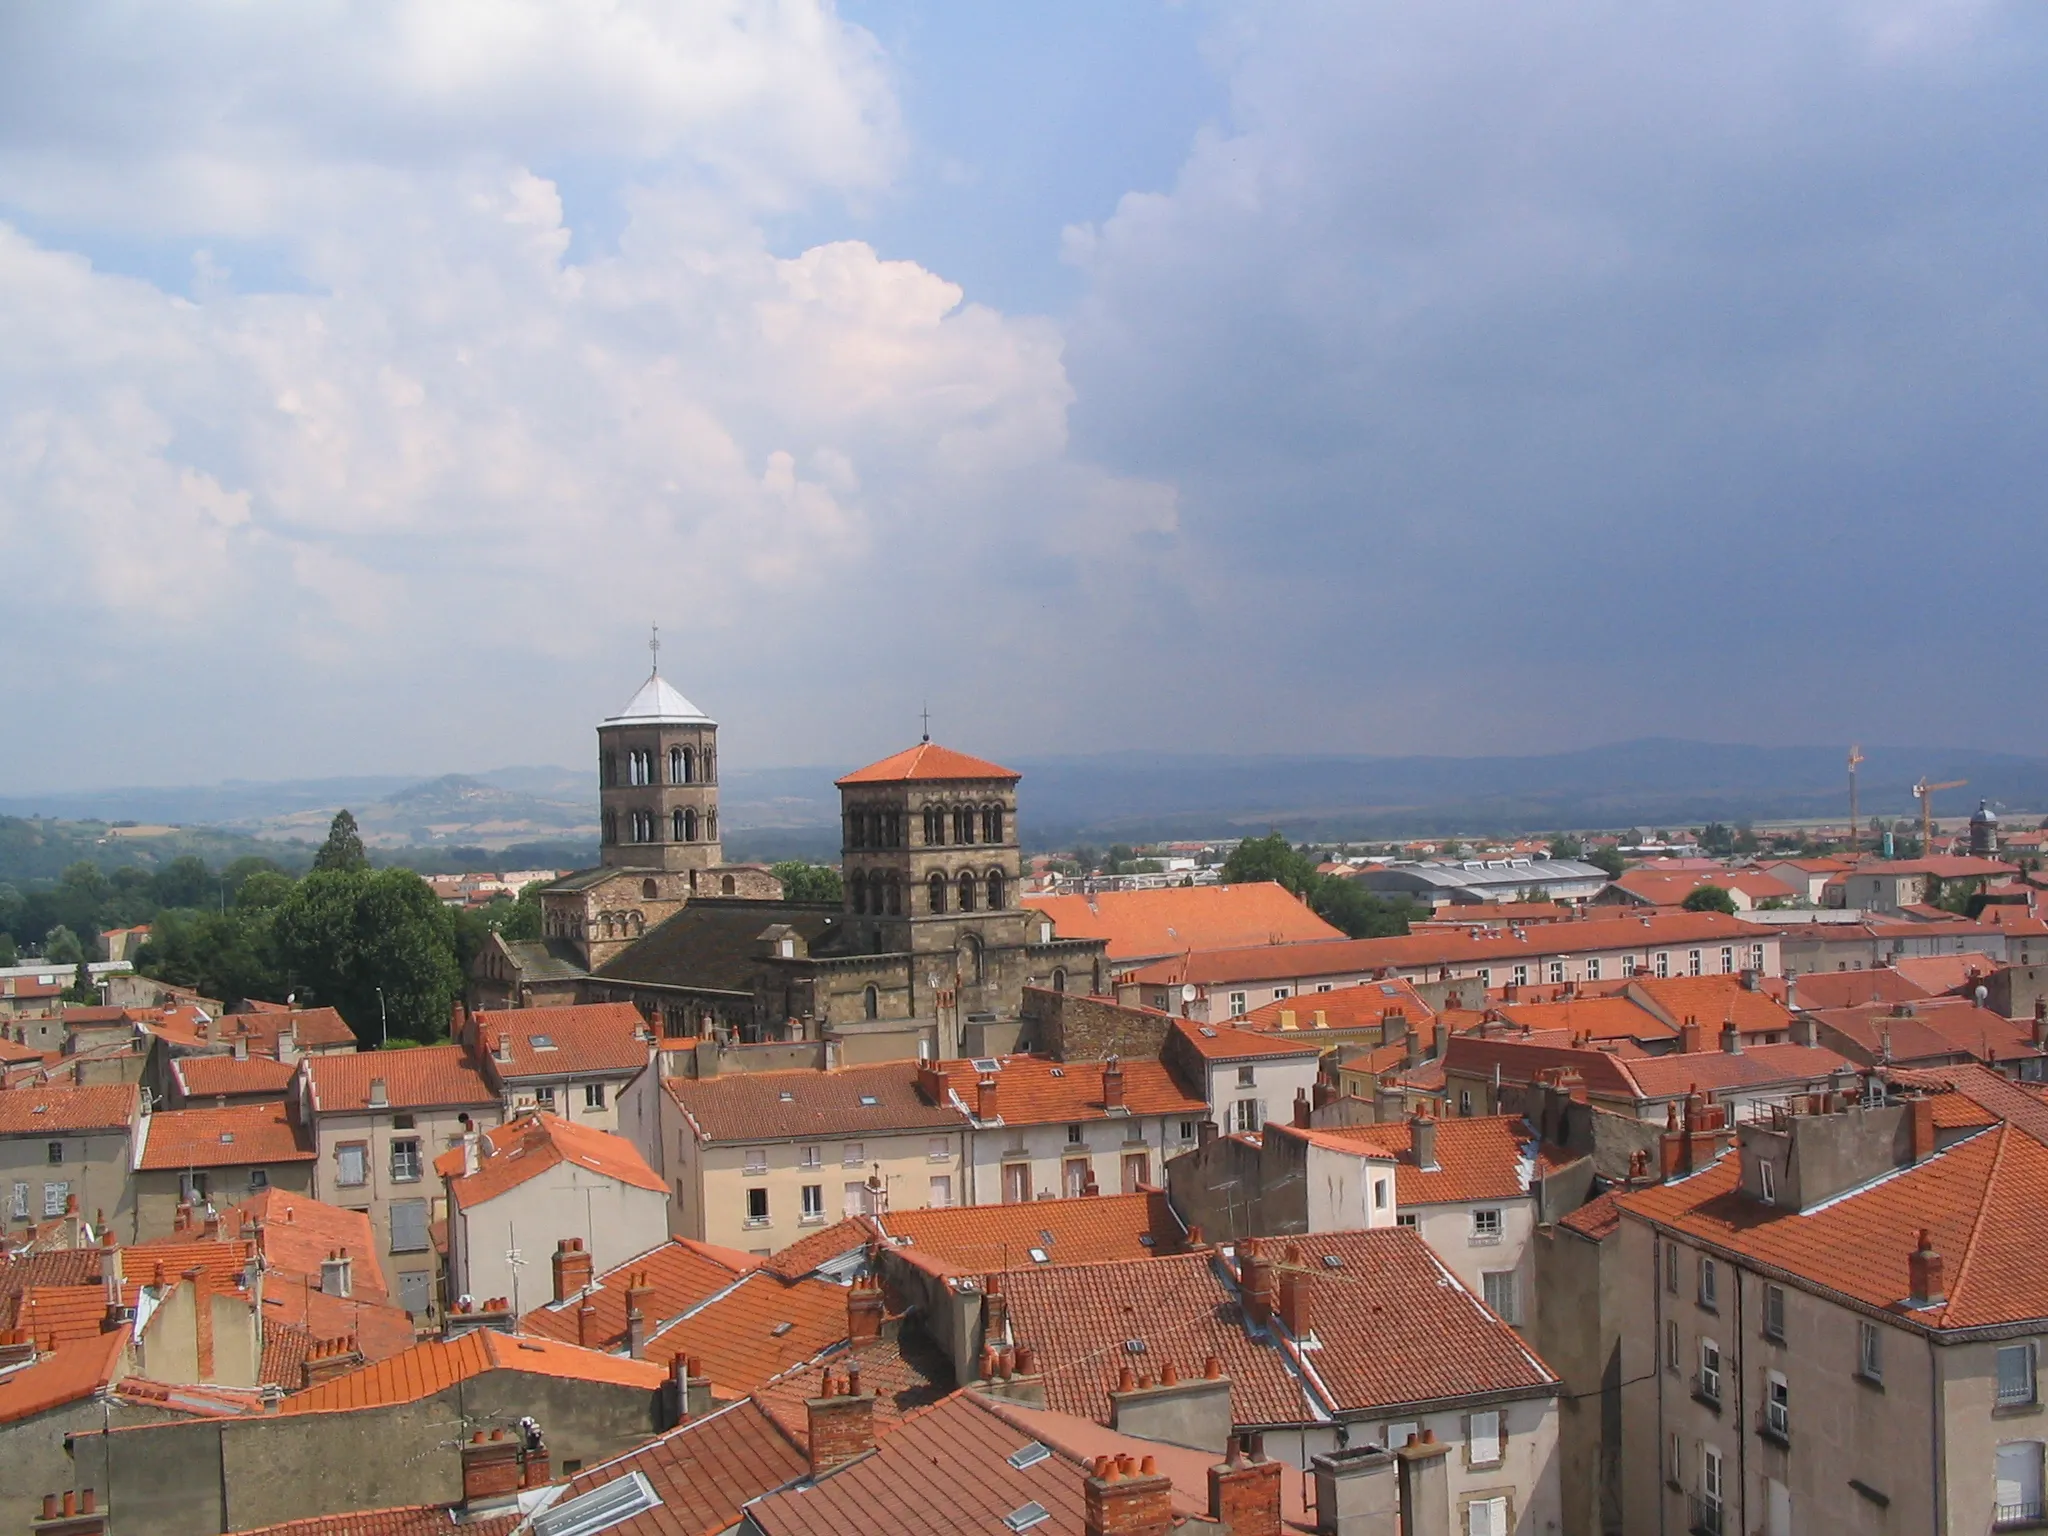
[(1991, 1178)]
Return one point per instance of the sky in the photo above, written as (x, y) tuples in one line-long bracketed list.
[(1352, 377)]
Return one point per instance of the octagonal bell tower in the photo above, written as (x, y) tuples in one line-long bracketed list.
[(657, 775)]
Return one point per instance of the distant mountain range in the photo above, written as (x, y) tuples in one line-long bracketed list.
[(1136, 797)]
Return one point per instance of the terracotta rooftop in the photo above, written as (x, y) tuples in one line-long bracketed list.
[(681, 1275), (974, 1239), (1935, 1030), (1036, 1090), (1847, 989), (756, 1330), (1944, 867), (299, 1232), (1601, 1018), (73, 1372), (1361, 957), (1756, 1066), (1222, 1042), (905, 1373), (1669, 889), (1142, 925), (51, 1111), (945, 1470), (532, 1143), (223, 1138), (427, 1368), (583, 1039), (1714, 1001), (1491, 1157), (427, 1076), (1598, 1219), (404, 1520), (702, 1471), (1361, 1007), (806, 1254), (788, 1106), (200, 1077), (928, 763)]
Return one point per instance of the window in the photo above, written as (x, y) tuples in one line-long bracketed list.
[(53, 1154), (1464, 1101), (1869, 1352), (936, 893), (1674, 1466), (807, 1157), (992, 824), (1777, 1405), (938, 1150), (1073, 1135), (1663, 963), (1487, 1517), (963, 826), (1709, 1385), (967, 885), (854, 1200), (19, 1209), (1486, 1225), (1521, 975), (1710, 1284), (757, 1160), (1074, 1177), (1248, 1114), (1727, 959), (757, 1207), (1281, 994), (56, 1195), (1482, 1440), (814, 1203), (2016, 1493), (1397, 1434), (1405, 1219), (1671, 1347), (1016, 1183), (409, 1226), (1767, 1183), (1774, 1312), (1671, 1268), (2015, 1375), (1593, 969), (853, 1154), (1379, 1194), (192, 1187), (1501, 1294), (352, 1164), (1557, 970), (1756, 957), (259, 1179), (1190, 1130), (942, 1191), (1245, 1077), (1710, 1491), (1486, 976), (544, 1098), (1692, 962), (1137, 1167), (1237, 1005), (593, 1095), (995, 891)]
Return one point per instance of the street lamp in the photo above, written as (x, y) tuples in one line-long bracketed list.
[(383, 1018)]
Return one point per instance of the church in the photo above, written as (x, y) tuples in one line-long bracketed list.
[(928, 952)]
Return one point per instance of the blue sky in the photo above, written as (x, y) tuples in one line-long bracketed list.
[(1315, 376)]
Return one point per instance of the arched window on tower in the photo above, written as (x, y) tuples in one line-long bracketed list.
[(649, 891), (608, 769), (870, 1002), (1059, 978), (858, 886), (688, 766), (710, 765), (675, 826), (936, 893), (967, 884), (675, 765), (856, 830), (895, 895), (711, 826), (963, 826), (689, 824), (995, 890), (992, 824), (727, 886), (611, 826)]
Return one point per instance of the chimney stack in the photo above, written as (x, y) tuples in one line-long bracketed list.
[(490, 1468), (1112, 1084), (638, 1292), (1690, 1037), (1126, 1496), (1244, 1491), (572, 1265), (202, 1319), (1303, 1111), (864, 1311), (1297, 1295), (72, 1514), (1422, 1139), (1923, 1270), (985, 1101), (1922, 1112), (1255, 1282), (1731, 1039), (842, 1423), (686, 1395)]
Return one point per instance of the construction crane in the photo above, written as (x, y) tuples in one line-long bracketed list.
[(1855, 757), (1924, 793)]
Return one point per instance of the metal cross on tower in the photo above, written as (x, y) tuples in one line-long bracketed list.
[(654, 645), (927, 717)]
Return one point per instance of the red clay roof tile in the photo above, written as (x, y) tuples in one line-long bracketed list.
[(928, 763), (1140, 925), (427, 1076), (235, 1136)]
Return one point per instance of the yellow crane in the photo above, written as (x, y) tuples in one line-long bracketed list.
[(1924, 793), (1855, 757)]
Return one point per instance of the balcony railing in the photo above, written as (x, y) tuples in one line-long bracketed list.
[(2027, 1512), (1705, 1515)]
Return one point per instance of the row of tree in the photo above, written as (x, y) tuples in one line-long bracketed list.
[(1337, 899)]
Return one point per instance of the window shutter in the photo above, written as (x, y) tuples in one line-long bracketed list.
[(408, 1226)]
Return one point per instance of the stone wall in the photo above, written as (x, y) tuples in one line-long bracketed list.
[(1074, 1028)]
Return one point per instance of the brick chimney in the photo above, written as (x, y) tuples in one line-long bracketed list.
[(1297, 1295), (16, 1347), (986, 1106), (1113, 1084), (1691, 1039), (115, 1314), (329, 1358), (1304, 1112), (936, 1085), (995, 1311), (536, 1468), (572, 1265), (1244, 1491), (202, 1320), (1422, 1139), (1923, 1270), (1922, 1112), (1255, 1283), (638, 1294), (1124, 1496), (864, 1311), (586, 1324), (842, 1422), (490, 1468), (71, 1514)]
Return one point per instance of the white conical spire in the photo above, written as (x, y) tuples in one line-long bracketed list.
[(657, 703)]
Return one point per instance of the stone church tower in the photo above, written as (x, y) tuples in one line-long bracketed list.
[(657, 777)]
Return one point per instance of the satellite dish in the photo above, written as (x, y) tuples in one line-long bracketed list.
[(1982, 993), (1189, 992)]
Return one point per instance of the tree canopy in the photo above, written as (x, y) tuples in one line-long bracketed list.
[(343, 849), (808, 882), (1338, 900), (1710, 898)]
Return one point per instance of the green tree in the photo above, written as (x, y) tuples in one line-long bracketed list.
[(1087, 858), (808, 882), (187, 882), (1341, 902), (265, 890), (343, 849), (346, 936), (1607, 858), (1268, 858), (1566, 845), (520, 918), (9, 954), (1716, 840), (1452, 849), (81, 989), (62, 947), (228, 955), (1710, 898)]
